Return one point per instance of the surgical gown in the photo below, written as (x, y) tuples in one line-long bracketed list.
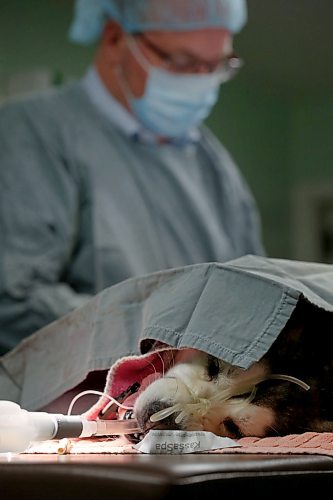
[(83, 206)]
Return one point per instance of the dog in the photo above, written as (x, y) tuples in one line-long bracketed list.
[(290, 390)]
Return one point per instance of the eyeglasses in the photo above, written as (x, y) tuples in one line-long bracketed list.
[(185, 63)]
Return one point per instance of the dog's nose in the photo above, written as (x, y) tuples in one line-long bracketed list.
[(143, 416)]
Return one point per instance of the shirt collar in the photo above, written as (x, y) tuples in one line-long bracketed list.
[(119, 116)]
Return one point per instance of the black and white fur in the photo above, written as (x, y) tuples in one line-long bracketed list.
[(259, 405)]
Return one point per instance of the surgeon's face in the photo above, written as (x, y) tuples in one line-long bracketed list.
[(201, 51)]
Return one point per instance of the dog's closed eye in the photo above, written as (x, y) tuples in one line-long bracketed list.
[(232, 428)]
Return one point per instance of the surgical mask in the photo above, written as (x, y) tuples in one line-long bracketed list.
[(172, 103)]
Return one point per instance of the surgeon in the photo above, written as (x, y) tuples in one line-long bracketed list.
[(115, 175)]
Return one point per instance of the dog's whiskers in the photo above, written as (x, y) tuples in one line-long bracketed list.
[(275, 430), (201, 406), (162, 361), (166, 412), (153, 367), (170, 356), (246, 388), (289, 378)]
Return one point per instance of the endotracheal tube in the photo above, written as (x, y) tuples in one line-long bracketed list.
[(18, 427)]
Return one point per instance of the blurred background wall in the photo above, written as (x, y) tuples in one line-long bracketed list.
[(276, 117)]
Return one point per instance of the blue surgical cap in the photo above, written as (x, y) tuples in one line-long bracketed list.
[(149, 15)]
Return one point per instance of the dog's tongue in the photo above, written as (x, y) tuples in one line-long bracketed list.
[(142, 370)]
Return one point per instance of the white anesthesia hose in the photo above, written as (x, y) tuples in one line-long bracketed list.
[(18, 428)]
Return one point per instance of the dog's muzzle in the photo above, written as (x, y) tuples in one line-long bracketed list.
[(160, 398)]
